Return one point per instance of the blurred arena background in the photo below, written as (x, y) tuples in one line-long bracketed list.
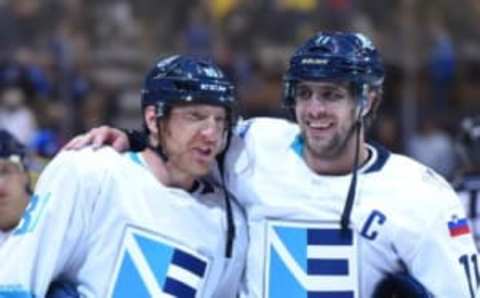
[(69, 65)]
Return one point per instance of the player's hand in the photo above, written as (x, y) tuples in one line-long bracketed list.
[(99, 136)]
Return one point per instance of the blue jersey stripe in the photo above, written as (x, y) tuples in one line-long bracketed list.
[(178, 289), (189, 262), (329, 237), (327, 267), (336, 294)]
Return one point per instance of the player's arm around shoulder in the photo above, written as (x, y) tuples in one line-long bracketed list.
[(444, 259), (52, 232)]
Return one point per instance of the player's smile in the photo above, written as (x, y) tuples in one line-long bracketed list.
[(320, 128)]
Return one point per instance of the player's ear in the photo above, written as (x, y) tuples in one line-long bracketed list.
[(368, 102), (150, 117)]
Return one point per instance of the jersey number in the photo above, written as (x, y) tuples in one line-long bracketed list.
[(470, 265)]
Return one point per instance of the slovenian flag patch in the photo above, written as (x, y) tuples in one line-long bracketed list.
[(458, 227)]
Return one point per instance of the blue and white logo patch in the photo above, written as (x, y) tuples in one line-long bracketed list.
[(311, 260), (152, 266)]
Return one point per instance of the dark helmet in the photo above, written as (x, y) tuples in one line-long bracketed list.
[(11, 148), (469, 138), (336, 56), (187, 79)]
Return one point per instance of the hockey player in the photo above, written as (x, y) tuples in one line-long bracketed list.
[(145, 224), (14, 182), (467, 183), (15, 193), (330, 214)]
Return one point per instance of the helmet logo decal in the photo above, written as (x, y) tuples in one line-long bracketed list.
[(213, 87), (317, 61), (366, 43), (212, 72), (166, 61), (322, 39)]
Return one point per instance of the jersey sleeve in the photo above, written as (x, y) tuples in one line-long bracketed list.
[(51, 235), (445, 259)]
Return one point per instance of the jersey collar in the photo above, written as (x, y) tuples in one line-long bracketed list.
[(378, 155)]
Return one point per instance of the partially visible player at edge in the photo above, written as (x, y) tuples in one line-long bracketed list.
[(15, 195), (330, 214), (467, 182), (139, 224)]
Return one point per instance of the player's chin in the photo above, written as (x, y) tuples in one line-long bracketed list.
[(200, 169)]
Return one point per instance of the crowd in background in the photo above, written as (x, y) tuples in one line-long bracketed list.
[(67, 66)]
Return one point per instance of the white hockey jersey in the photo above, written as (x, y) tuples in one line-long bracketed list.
[(101, 220), (405, 217)]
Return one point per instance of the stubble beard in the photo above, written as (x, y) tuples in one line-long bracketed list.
[(331, 148)]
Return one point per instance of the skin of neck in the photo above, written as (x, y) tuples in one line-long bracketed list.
[(341, 163), (165, 172)]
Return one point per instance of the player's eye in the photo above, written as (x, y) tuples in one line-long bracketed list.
[(333, 95), (194, 116), (303, 93)]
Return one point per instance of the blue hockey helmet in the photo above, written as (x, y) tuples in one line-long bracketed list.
[(183, 79), (11, 149), (334, 56)]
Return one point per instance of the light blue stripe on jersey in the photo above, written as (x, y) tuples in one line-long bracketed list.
[(296, 241), (135, 157), (158, 255), (129, 283), (297, 145), (32, 214), (15, 294), (285, 285)]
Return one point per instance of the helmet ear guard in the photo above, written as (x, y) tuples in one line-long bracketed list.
[(289, 92)]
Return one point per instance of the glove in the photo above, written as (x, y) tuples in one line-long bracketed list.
[(62, 289), (400, 285)]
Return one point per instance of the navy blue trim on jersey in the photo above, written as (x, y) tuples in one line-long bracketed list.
[(382, 156)]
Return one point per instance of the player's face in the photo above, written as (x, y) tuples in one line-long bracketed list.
[(325, 112), (193, 136), (13, 194)]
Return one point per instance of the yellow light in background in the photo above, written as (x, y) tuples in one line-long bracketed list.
[(220, 8), (300, 5)]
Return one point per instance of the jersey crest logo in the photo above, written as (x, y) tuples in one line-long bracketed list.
[(310, 259), (152, 266)]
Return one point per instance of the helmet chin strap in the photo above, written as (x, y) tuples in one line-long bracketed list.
[(158, 149), (357, 129)]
